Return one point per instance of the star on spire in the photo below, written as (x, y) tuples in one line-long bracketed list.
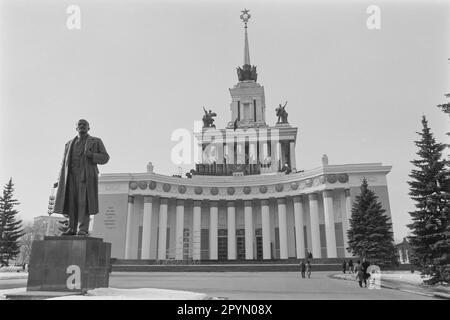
[(245, 16)]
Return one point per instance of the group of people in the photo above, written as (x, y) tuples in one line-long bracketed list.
[(360, 269), (305, 268)]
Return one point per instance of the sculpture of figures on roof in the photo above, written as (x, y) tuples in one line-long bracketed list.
[(281, 113), (208, 121), (247, 72)]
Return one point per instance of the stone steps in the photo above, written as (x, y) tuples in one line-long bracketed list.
[(334, 261), (265, 267)]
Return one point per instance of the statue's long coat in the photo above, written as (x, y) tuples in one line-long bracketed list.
[(88, 169)]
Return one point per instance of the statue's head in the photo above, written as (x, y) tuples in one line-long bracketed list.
[(82, 126)]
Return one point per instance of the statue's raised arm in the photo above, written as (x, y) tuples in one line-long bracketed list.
[(285, 105)]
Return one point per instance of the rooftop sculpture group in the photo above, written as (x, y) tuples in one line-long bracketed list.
[(208, 121), (281, 113)]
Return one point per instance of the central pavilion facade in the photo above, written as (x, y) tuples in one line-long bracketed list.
[(238, 205)]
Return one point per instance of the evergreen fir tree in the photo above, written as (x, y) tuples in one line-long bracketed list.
[(10, 225), (370, 234), (430, 239)]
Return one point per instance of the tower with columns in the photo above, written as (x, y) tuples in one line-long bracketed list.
[(238, 205)]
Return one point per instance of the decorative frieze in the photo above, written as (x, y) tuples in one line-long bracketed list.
[(133, 185), (142, 185), (198, 190), (182, 189)]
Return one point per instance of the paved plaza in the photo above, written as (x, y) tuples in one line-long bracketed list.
[(248, 285), (258, 285)]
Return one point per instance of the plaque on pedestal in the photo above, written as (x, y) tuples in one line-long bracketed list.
[(69, 264)]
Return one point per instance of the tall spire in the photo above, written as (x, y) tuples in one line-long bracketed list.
[(245, 16), (247, 72)]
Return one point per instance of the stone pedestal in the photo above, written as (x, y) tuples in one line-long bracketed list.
[(69, 264)]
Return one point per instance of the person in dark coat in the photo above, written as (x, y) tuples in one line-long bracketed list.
[(344, 266), (365, 264), (359, 273), (350, 266), (303, 268), (308, 269), (310, 256), (77, 193)]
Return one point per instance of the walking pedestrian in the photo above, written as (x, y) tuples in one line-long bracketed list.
[(359, 273), (308, 269), (350, 266), (303, 268), (365, 264), (344, 266)]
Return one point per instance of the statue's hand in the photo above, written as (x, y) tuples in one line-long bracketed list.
[(89, 154)]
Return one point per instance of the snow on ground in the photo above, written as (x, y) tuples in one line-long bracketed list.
[(401, 276), (412, 278), (123, 294), (13, 275), (4, 292), (135, 294)]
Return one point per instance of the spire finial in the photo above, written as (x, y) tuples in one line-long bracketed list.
[(247, 72), (245, 16)]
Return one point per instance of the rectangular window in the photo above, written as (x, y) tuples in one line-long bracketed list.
[(204, 244), (139, 250), (305, 236), (167, 242), (277, 243), (323, 241), (339, 240), (240, 244), (186, 237), (239, 111), (254, 110)]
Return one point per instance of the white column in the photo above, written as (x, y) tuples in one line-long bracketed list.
[(282, 228), (147, 227), (231, 220), (179, 230), (298, 221), (279, 157), (129, 232), (330, 233), (230, 146), (265, 219), (346, 220), (162, 239), (292, 154), (315, 230), (213, 226), (219, 148), (196, 230), (248, 221)]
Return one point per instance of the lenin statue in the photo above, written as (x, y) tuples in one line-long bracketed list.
[(77, 194)]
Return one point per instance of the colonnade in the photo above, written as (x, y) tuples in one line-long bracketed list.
[(299, 222)]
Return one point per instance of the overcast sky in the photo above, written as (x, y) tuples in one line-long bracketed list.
[(138, 70)]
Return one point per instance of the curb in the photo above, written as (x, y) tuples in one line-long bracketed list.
[(433, 295)]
